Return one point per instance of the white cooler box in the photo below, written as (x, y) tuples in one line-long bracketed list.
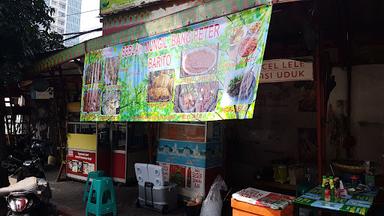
[(154, 193), (160, 198)]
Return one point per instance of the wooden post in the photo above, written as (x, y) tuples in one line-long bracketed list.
[(320, 97), (62, 170), (320, 113)]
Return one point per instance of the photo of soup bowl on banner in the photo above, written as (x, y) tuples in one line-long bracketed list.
[(199, 61)]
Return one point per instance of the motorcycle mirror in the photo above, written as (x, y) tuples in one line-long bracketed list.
[(27, 163)]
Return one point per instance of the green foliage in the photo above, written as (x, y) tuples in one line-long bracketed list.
[(24, 35)]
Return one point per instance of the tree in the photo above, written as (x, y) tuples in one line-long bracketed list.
[(24, 35)]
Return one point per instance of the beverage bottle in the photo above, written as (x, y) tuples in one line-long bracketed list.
[(337, 188), (332, 188), (323, 187), (327, 191)]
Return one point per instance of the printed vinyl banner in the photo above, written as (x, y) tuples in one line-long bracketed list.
[(203, 72)]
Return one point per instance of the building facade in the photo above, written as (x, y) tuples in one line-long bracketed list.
[(66, 18)]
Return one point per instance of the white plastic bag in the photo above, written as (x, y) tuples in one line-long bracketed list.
[(213, 204)]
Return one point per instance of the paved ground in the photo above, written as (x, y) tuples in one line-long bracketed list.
[(67, 197)]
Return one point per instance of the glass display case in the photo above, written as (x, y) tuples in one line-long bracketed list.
[(119, 136)]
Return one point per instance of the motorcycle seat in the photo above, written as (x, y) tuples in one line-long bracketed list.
[(27, 184)]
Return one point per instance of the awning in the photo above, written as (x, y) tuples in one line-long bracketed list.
[(205, 11)]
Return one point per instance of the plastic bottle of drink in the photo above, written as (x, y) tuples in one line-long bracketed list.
[(323, 187), (332, 188), (327, 191), (337, 188)]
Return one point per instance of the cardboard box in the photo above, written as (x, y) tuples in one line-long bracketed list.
[(245, 209), (203, 155), (204, 132), (191, 181)]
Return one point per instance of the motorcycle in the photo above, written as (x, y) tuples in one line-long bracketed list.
[(31, 193)]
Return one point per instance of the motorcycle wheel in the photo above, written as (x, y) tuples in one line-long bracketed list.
[(4, 182), (3, 206)]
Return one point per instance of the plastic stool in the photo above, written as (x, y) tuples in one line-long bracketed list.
[(102, 197), (91, 176)]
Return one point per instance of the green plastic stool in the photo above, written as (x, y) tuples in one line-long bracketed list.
[(102, 197), (91, 176)]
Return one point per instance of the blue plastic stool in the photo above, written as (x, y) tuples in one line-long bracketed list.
[(102, 197), (91, 176)]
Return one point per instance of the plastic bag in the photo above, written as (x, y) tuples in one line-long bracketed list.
[(213, 204)]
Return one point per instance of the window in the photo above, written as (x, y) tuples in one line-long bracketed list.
[(60, 30), (61, 22), (7, 102), (14, 125), (54, 2)]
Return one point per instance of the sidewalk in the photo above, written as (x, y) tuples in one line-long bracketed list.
[(67, 196)]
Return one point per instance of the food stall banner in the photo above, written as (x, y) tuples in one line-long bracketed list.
[(285, 70), (203, 72), (110, 6), (80, 163)]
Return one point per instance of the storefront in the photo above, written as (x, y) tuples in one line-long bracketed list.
[(193, 73), (147, 72), (144, 70)]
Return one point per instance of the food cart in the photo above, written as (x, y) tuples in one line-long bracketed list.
[(113, 148)]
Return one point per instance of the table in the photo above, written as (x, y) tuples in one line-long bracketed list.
[(357, 204)]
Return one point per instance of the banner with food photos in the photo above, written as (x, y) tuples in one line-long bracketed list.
[(203, 72)]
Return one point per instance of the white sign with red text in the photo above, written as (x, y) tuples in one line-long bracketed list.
[(285, 70)]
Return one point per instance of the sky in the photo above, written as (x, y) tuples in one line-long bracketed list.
[(90, 19)]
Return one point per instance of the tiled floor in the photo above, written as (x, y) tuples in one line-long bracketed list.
[(67, 197)]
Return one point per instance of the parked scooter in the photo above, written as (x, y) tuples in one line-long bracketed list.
[(31, 194)]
